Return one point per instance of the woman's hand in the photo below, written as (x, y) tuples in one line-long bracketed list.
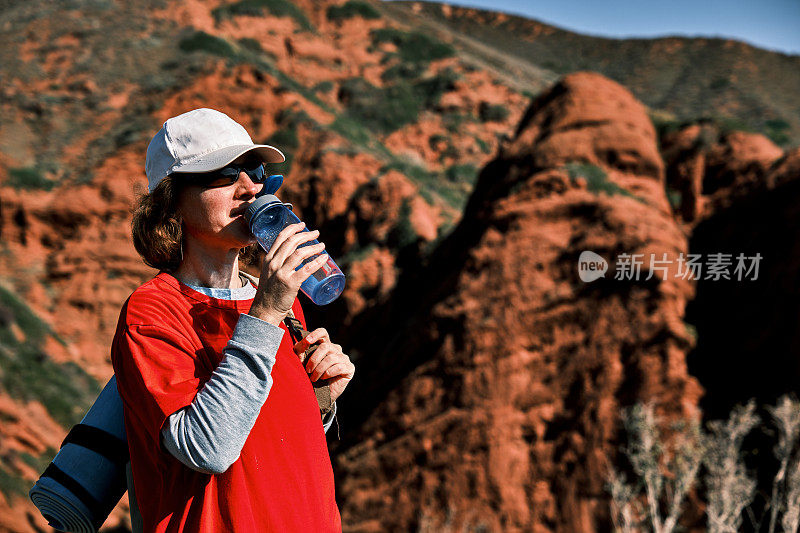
[(279, 282), (329, 362)]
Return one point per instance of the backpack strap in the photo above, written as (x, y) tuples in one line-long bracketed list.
[(303, 350)]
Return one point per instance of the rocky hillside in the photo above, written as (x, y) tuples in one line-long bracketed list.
[(455, 204), (686, 79)]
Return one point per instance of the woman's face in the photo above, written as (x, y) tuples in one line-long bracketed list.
[(215, 216)]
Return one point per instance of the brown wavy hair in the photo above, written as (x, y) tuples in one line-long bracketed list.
[(157, 228)]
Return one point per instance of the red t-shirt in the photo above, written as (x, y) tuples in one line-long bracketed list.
[(169, 340)]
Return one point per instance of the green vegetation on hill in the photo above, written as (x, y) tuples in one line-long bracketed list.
[(11, 481), (286, 138), (596, 179), (688, 77), (200, 41), (414, 46), (28, 373), (353, 8), (257, 8), (407, 90), (493, 112), (29, 178), (389, 108)]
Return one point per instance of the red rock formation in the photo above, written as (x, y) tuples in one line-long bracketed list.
[(490, 390), (785, 169), (706, 168)]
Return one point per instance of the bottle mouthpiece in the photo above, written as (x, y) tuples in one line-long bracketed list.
[(258, 204)]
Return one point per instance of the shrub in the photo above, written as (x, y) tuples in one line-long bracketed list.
[(11, 483), (413, 46), (286, 140), (462, 173), (384, 110), (453, 120), (402, 233), (675, 198), (351, 129), (596, 179), (731, 124), (492, 112), (786, 486), (483, 145), (33, 328), (200, 41), (323, 86), (256, 8), (719, 84), (729, 486), (777, 124), (251, 44), (431, 89), (399, 103), (435, 139), (29, 178), (665, 469), (778, 131), (664, 124), (353, 8), (403, 71)]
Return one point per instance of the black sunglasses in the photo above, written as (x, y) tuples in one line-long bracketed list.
[(227, 175)]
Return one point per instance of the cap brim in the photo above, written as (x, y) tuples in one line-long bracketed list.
[(219, 158)]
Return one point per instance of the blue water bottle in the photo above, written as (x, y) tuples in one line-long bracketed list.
[(267, 216)]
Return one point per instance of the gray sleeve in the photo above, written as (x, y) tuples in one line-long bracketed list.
[(208, 434)]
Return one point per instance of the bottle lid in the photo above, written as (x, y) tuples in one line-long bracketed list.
[(262, 202)]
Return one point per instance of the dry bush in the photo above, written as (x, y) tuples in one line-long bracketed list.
[(666, 466)]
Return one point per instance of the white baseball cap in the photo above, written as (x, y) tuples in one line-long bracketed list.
[(201, 140)]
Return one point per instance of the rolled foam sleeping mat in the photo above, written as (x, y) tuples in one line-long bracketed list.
[(86, 479)]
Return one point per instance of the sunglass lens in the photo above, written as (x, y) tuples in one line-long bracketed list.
[(257, 174)]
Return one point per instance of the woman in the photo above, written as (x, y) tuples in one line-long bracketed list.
[(224, 430)]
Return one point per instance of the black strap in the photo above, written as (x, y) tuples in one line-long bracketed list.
[(98, 510), (295, 328), (109, 446)]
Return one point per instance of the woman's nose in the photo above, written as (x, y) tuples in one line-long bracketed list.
[(245, 184)]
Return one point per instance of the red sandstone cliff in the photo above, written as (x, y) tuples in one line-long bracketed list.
[(493, 400)]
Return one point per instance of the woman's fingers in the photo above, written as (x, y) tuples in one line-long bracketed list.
[(290, 245), (337, 369), (301, 254), (309, 268), (325, 355), (329, 362), (284, 234), (319, 334)]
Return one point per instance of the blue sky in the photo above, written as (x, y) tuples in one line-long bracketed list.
[(770, 24)]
